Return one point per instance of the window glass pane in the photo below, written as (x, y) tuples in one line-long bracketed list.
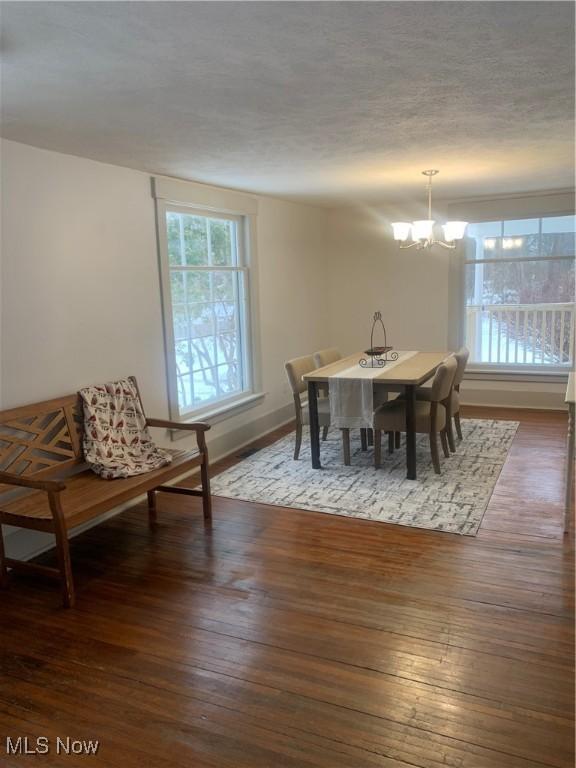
[(195, 240), (182, 357), (180, 321), (229, 378), (222, 242), (484, 229), (548, 237), (223, 286), (201, 320), (558, 236), (225, 313), (177, 287), (198, 287), (204, 384), (203, 351), (228, 348), (559, 224), (521, 227), (185, 392), (208, 308), (175, 255), (520, 313)]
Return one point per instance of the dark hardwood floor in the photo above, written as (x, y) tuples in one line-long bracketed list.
[(287, 639)]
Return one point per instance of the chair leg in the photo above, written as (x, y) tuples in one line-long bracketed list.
[(434, 452), (324, 432), (370, 434), (444, 441), (3, 568), (377, 447), (363, 439), (206, 495), (346, 446), (457, 424), (397, 437), (390, 442), (298, 440), (151, 506), (65, 564), (450, 435)]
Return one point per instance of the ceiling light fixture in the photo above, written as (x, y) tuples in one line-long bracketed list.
[(422, 231)]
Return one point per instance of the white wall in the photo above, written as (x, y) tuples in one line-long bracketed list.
[(80, 288), (369, 273)]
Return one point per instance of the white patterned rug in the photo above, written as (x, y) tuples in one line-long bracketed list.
[(454, 501)]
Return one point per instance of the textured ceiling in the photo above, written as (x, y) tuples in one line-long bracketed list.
[(323, 101)]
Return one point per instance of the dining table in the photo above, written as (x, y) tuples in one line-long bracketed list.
[(403, 376)]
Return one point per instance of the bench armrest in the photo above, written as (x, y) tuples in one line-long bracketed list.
[(193, 426), (25, 482)]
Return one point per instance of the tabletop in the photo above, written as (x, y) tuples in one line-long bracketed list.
[(413, 371)]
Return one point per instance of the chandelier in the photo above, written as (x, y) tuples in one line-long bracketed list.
[(422, 232)]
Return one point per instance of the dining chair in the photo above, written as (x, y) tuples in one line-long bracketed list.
[(295, 369), (462, 358), (431, 416), (326, 356), (423, 393)]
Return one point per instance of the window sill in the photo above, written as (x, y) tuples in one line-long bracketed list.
[(219, 413), (509, 374)]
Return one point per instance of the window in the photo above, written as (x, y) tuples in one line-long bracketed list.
[(519, 293), (206, 309)]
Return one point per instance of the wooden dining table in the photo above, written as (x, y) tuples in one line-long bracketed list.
[(404, 376)]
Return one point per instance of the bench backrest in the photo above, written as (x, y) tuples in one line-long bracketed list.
[(42, 439)]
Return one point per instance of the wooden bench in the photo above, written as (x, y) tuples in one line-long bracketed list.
[(41, 451)]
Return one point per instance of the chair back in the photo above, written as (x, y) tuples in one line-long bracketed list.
[(295, 369), (326, 356), (461, 359), (443, 380)]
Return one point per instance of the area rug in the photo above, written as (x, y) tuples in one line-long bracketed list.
[(454, 501)]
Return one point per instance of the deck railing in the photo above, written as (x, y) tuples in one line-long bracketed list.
[(532, 334)]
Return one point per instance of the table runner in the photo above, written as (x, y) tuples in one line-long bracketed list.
[(352, 394)]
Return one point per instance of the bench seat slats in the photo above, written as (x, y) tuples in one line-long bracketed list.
[(87, 494)]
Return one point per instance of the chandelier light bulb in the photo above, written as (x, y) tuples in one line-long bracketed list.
[(454, 230), (422, 230), (401, 230)]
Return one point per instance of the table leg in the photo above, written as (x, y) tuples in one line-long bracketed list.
[(314, 425), (410, 396), (569, 466)]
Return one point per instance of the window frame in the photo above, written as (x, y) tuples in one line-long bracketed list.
[(506, 370), (216, 409)]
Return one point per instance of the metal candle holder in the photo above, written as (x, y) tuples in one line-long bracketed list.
[(377, 357)]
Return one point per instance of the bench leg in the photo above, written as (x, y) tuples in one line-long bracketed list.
[(206, 497), (65, 564), (3, 568), (152, 506)]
